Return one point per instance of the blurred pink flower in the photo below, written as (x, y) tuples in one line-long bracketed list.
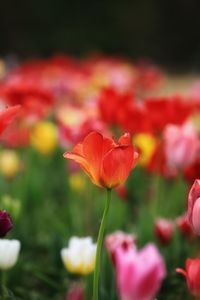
[(181, 146), (119, 239), (75, 292), (139, 274), (193, 210)]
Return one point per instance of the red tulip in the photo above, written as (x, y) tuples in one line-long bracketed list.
[(164, 230), (193, 211), (163, 111), (106, 162), (184, 226), (5, 223), (192, 275), (7, 115), (31, 94), (114, 105), (193, 171)]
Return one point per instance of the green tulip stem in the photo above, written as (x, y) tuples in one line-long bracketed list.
[(3, 284), (99, 245)]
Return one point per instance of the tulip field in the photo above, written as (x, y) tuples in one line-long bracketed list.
[(99, 180)]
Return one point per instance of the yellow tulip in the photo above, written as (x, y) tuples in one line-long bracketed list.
[(146, 143), (9, 163), (77, 182), (80, 256), (44, 137)]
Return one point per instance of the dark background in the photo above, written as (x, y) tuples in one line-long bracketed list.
[(165, 31)]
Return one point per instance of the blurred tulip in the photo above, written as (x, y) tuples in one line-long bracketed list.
[(193, 171), (35, 99), (17, 135), (114, 105), (181, 146), (77, 182), (44, 137), (162, 111), (122, 192), (80, 256), (193, 207), (7, 116), (139, 274), (149, 77), (9, 252), (5, 223), (164, 230), (118, 239), (9, 163), (106, 162), (146, 143), (184, 226), (75, 292), (192, 275)]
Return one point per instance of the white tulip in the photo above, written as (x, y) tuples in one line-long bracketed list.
[(9, 252), (80, 256)]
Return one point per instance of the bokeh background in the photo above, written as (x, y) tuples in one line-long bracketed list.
[(63, 99), (166, 32)]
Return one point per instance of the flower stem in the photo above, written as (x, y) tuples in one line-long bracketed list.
[(3, 284), (99, 246)]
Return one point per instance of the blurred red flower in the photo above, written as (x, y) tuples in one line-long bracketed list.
[(114, 105), (34, 98), (164, 230), (5, 223), (192, 275), (184, 226), (193, 171), (169, 110), (7, 116)]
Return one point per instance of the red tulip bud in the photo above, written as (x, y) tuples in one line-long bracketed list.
[(164, 230)]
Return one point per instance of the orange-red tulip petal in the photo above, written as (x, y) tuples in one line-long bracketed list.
[(106, 162), (7, 115)]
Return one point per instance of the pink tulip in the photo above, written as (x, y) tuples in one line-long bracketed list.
[(119, 239), (193, 211), (181, 146), (139, 274)]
